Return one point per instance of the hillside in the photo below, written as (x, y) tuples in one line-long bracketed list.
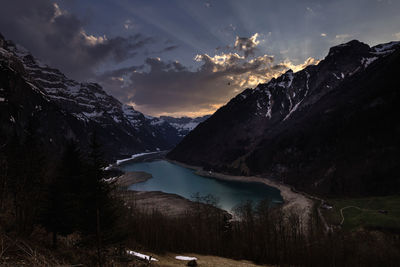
[(58, 108), (331, 128)]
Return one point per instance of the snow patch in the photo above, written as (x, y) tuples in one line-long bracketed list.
[(307, 83), (269, 111), (337, 77), (93, 114), (80, 117), (47, 81), (186, 258), (116, 119), (100, 95), (293, 110), (386, 47), (367, 61), (20, 51), (134, 156), (354, 71), (258, 105), (5, 52), (111, 179), (290, 101), (156, 122), (35, 88), (289, 76), (187, 126), (140, 255)]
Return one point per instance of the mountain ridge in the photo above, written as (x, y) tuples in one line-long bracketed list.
[(267, 130), (81, 108)]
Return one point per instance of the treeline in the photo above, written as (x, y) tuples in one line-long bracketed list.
[(62, 194), (264, 234)]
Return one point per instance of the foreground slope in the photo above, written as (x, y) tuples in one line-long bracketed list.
[(331, 128)]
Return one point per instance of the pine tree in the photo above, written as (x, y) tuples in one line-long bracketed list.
[(25, 176), (99, 211), (60, 209)]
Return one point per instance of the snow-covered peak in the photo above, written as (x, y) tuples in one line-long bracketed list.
[(286, 79), (391, 46), (280, 98), (184, 125), (130, 112), (157, 121)]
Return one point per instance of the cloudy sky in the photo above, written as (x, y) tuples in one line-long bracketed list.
[(189, 57)]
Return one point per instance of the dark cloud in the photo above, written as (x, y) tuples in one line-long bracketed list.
[(247, 45), (170, 48), (60, 39), (160, 87), (155, 87), (244, 45)]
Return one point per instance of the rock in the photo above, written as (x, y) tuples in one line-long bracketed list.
[(192, 263)]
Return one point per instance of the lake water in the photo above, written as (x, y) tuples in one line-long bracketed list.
[(172, 178)]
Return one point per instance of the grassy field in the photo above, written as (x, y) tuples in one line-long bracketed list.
[(168, 260), (364, 212)]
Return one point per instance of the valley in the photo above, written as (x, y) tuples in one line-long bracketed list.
[(199, 133)]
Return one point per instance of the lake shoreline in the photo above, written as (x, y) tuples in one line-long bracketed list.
[(293, 201), (168, 204), (129, 178)]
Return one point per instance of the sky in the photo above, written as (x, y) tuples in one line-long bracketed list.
[(190, 57)]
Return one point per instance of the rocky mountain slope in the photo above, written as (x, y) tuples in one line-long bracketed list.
[(332, 128), (34, 93)]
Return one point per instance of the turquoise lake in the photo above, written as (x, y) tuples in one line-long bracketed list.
[(172, 178)]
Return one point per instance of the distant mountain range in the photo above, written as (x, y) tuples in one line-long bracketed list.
[(332, 128), (184, 125), (61, 108)]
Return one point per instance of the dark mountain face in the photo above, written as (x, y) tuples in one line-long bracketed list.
[(331, 128), (61, 108)]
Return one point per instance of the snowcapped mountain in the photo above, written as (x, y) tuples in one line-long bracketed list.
[(184, 125), (328, 128), (76, 108)]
